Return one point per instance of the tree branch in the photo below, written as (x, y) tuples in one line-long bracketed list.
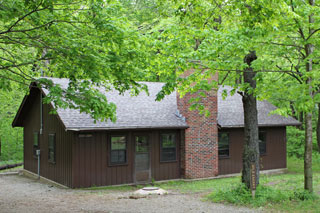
[(312, 33)]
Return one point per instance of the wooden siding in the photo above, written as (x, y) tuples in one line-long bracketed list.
[(61, 171), (91, 156), (274, 158)]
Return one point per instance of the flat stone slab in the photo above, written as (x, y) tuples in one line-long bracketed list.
[(150, 191)]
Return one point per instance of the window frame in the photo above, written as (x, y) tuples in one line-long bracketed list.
[(110, 163), (224, 156), (34, 148), (176, 147), (265, 138), (54, 148)]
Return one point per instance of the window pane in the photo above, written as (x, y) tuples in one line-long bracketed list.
[(35, 139), (142, 144), (118, 150), (118, 156), (121, 156), (35, 143), (168, 140), (223, 142), (52, 148), (114, 156), (51, 156), (262, 143), (118, 142), (168, 147), (169, 154)]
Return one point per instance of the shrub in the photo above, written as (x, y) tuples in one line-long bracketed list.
[(241, 195), (296, 141)]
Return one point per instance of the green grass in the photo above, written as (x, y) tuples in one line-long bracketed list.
[(276, 192), (295, 165), (283, 192), (199, 186)]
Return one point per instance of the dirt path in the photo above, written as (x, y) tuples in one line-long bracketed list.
[(21, 194)]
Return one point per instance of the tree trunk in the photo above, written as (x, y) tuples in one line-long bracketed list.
[(308, 115), (308, 153), (251, 146), (318, 128)]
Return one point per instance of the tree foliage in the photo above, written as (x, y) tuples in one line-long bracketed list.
[(215, 36), (11, 139), (91, 42)]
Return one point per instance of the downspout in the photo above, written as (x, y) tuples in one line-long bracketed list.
[(41, 128)]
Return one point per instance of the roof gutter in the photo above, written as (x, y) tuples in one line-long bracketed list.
[(262, 125), (125, 128)]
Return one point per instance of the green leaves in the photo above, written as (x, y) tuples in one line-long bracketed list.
[(11, 139), (90, 41)]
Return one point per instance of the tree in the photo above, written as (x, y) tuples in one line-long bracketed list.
[(295, 49), (251, 153), (205, 37), (88, 41), (215, 37)]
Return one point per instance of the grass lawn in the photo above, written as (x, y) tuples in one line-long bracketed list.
[(279, 192)]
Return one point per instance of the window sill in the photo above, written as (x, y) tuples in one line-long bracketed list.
[(169, 161), (51, 162), (117, 164), (224, 157)]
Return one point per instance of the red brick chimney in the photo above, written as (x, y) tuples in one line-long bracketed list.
[(199, 157)]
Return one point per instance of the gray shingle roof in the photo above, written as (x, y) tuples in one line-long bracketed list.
[(140, 111), (230, 112), (143, 111)]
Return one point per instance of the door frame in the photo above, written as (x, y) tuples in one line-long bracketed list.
[(149, 136)]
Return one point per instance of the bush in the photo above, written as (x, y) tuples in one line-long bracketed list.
[(241, 195), (296, 141)]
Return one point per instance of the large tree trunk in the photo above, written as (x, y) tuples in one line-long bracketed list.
[(251, 145), (318, 128), (308, 130), (308, 153), (308, 115)]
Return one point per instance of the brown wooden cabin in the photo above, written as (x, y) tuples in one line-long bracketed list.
[(150, 140), (272, 149), (272, 134)]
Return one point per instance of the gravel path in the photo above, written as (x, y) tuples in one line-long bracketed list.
[(21, 194)]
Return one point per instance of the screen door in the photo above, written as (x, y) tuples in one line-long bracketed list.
[(142, 158)]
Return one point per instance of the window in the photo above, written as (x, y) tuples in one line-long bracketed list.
[(168, 147), (118, 150), (262, 143), (35, 143), (52, 148), (223, 144)]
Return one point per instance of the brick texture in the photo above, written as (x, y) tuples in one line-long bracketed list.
[(199, 152)]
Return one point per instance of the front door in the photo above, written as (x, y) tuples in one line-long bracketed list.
[(142, 159)]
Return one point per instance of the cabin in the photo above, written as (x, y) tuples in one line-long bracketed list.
[(150, 140)]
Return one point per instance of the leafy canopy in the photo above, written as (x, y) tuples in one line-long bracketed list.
[(91, 42)]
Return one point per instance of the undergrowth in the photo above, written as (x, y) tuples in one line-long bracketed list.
[(265, 195)]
